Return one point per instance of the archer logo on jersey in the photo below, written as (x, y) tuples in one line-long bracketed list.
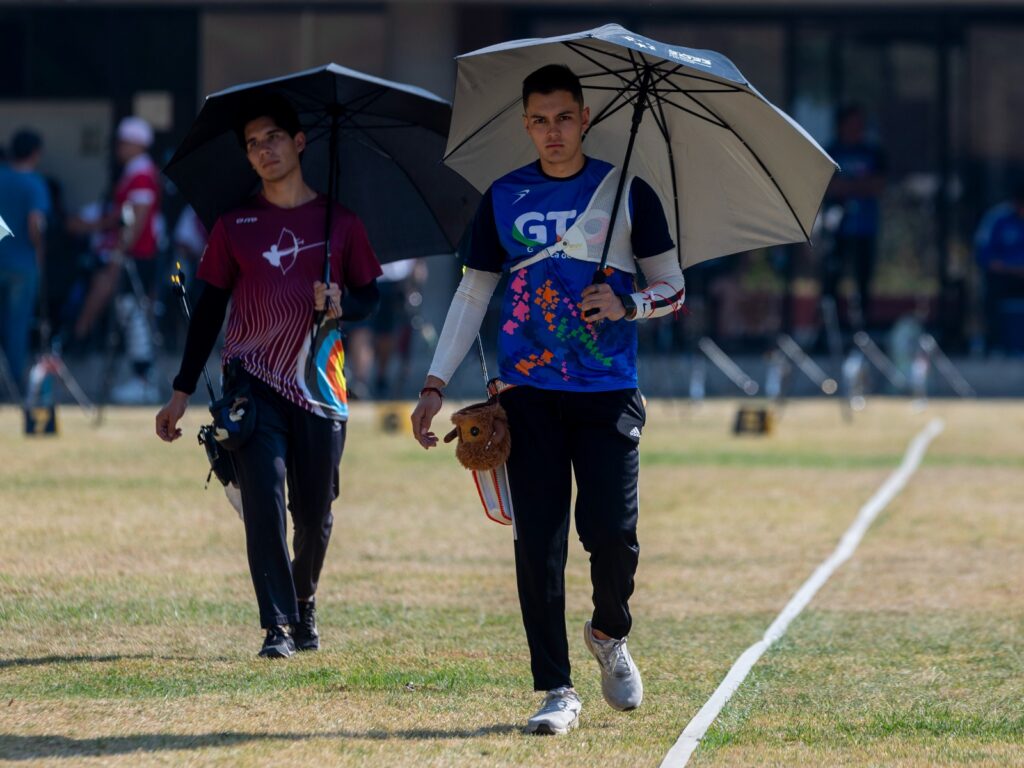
[(285, 251), (520, 195), (531, 228)]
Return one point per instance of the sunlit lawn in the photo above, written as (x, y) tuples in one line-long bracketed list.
[(128, 628)]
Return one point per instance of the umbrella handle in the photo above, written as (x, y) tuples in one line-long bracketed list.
[(599, 279)]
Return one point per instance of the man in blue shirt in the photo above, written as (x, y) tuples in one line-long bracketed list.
[(999, 251), (24, 205), (568, 379), (857, 188)]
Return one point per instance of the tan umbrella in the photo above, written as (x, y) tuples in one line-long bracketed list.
[(737, 171)]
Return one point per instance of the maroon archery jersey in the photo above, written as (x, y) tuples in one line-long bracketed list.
[(269, 258)]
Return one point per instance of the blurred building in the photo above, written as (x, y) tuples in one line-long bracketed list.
[(941, 82)]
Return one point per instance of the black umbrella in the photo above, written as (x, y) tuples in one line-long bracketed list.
[(383, 139)]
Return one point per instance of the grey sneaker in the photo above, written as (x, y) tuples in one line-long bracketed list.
[(559, 713), (621, 685)]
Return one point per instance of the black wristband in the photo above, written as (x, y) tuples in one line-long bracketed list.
[(629, 305)]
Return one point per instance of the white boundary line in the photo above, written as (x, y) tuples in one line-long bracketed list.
[(690, 738)]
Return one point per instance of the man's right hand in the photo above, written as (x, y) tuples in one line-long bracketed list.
[(324, 296), (169, 416), (426, 409)]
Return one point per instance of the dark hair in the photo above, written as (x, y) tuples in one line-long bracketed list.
[(553, 77), (25, 143), (275, 106)]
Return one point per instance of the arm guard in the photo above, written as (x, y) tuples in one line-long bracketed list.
[(666, 289), (462, 324)]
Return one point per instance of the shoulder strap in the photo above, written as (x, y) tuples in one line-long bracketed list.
[(585, 238)]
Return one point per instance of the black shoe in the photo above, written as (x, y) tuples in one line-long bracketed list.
[(278, 644), (307, 638)]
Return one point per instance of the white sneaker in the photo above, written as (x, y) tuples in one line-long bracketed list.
[(559, 713), (621, 685), (135, 391)]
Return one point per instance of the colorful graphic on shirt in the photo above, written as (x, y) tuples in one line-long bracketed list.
[(543, 339)]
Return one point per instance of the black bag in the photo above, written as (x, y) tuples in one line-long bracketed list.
[(234, 415), (221, 463)]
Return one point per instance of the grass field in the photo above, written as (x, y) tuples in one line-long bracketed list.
[(128, 628)]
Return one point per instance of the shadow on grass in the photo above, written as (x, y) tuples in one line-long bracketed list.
[(43, 661), (14, 747)]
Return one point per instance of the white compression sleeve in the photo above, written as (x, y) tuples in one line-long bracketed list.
[(666, 288), (462, 324)]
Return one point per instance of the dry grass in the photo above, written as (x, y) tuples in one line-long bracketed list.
[(128, 627)]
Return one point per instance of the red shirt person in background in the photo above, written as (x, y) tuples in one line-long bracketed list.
[(129, 230), (139, 189), (267, 258)]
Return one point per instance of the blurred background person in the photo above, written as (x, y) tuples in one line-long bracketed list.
[(392, 324), (25, 206), (854, 193), (999, 252), (62, 262), (129, 243), (387, 335)]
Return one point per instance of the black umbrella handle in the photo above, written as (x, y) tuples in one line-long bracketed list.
[(600, 278)]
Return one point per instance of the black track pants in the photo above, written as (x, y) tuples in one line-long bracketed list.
[(593, 436), (295, 446)]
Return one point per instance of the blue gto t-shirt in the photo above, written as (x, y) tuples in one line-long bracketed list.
[(543, 339)]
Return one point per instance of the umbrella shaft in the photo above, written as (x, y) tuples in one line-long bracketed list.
[(332, 179), (638, 115)]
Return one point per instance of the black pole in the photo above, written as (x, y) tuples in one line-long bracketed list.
[(638, 115), (332, 179), (335, 111)]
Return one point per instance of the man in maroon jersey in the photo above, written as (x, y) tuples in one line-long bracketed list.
[(267, 257)]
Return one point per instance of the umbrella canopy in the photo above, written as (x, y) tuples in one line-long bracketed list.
[(4, 229), (738, 172), (388, 139)]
